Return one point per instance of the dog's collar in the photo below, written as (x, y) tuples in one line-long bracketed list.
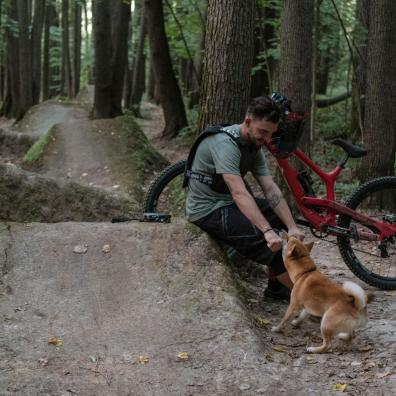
[(303, 273)]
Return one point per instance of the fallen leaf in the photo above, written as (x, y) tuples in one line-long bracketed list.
[(339, 387), (383, 375), (116, 186), (183, 355), (143, 359), (355, 363), (262, 322), (278, 348), (80, 249), (388, 293), (106, 248), (269, 358), (55, 341), (84, 174)]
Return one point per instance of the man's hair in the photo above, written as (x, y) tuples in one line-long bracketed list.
[(264, 107)]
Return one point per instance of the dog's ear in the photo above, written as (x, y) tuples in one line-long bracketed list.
[(309, 246), (293, 248)]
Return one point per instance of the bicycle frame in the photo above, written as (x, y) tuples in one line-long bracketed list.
[(325, 219)]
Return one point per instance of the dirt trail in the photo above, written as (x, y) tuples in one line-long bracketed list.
[(79, 154), (152, 125), (125, 311)]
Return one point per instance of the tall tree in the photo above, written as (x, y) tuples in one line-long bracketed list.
[(227, 62), (103, 75), (170, 95), (380, 99), (138, 76), (110, 36), (11, 105), (37, 30), (50, 71), (66, 83), (120, 16), (77, 47), (295, 69), (359, 63), (25, 70)]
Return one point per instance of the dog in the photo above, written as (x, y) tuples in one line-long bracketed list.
[(342, 308)]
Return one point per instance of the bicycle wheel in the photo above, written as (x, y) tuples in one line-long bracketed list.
[(372, 261), (166, 194)]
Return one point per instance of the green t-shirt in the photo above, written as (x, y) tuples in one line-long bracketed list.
[(219, 154)]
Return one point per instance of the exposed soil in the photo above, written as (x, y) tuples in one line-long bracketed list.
[(126, 310)]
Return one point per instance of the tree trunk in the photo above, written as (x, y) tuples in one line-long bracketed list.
[(25, 70), (295, 69), (77, 48), (121, 13), (37, 30), (228, 59), (66, 85), (103, 75), (380, 99), (359, 72), (128, 65), (10, 107), (50, 72), (170, 96), (139, 71)]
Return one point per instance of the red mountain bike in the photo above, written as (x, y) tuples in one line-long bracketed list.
[(365, 225)]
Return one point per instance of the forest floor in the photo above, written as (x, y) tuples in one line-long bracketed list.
[(144, 309)]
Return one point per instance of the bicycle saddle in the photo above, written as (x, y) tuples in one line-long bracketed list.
[(352, 150)]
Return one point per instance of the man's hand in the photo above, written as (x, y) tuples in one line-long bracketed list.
[(296, 232), (274, 241)]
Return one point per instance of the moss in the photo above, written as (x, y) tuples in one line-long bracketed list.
[(35, 154), (135, 158)]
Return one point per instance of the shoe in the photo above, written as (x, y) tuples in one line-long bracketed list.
[(277, 291)]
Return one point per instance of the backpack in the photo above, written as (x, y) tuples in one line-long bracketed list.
[(216, 181)]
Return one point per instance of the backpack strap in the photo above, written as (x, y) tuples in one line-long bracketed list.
[(209, 131)]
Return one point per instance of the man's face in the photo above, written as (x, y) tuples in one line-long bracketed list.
[(260, 131)]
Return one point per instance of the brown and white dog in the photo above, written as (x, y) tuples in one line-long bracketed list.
[(342, 308)]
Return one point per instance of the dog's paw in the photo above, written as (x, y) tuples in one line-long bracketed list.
[(296, 322), (275, 329), (312, 349)]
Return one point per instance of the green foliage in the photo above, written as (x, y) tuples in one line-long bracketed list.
[(333, 120), (187, 135), (189, 15)]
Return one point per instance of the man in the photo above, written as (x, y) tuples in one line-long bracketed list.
[(219, 202)]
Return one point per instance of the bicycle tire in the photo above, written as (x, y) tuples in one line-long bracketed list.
[(356, 200), (159, 184)]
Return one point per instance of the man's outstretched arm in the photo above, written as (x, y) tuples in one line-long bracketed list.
[(277, 202), (247, 205)]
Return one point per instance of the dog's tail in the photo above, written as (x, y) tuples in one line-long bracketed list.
[(358, 294)]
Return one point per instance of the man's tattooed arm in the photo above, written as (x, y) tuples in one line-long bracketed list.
[(274, 199)]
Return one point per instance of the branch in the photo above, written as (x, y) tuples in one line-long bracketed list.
[(326, 102)]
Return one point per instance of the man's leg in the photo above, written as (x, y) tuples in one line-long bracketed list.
[(230, 226)]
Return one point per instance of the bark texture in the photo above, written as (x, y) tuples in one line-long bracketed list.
[(66, 84), (77, 48), (380, 103), (169, 91), (359, 72), (37, 31), (295, 68), (227, 64)]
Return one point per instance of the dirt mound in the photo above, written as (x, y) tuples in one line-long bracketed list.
[(157, 312), (26, 196)]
